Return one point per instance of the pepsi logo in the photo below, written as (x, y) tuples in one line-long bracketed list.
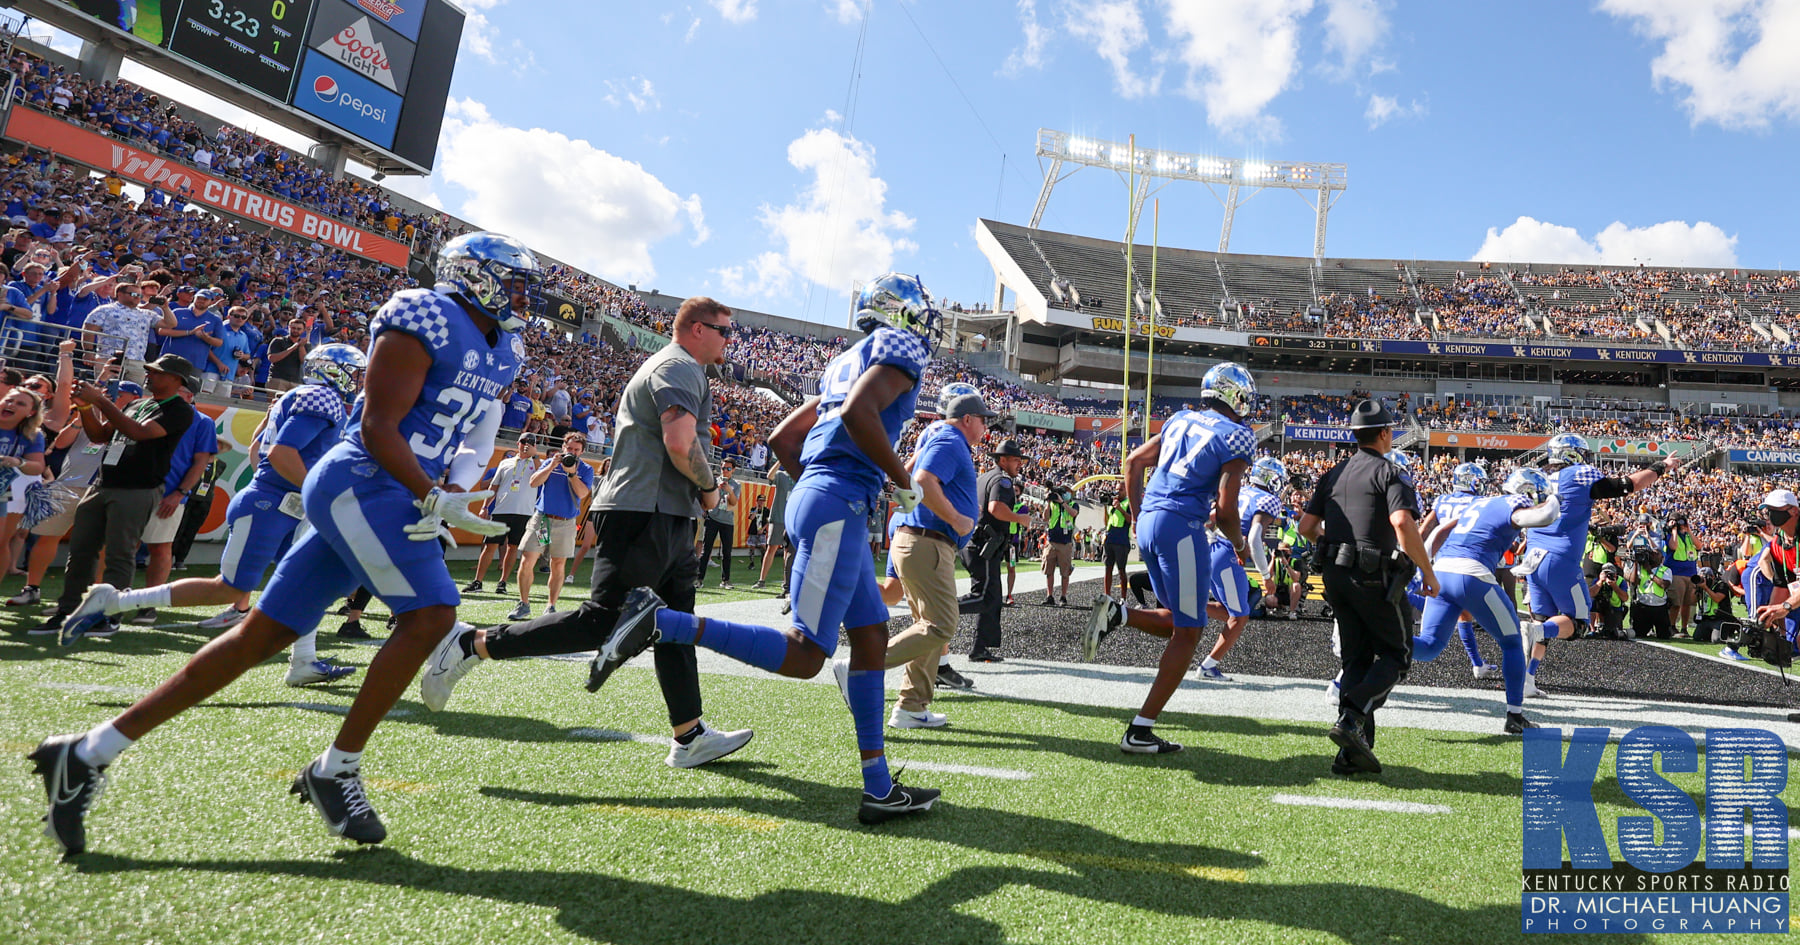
[(326, 88)]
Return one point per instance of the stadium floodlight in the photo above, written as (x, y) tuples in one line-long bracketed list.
[(1320, 185)]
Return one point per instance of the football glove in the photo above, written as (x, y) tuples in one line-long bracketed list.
[(906, 499), (440, 508)]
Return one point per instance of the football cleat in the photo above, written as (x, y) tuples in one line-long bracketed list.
[(1485, 671), (632, 635), (710, 745), (1212, 673), (71, 786), (1143, 740), (446, 666), (343, 803), (92, 612), (1517, 723), (317, 671), (899, 802), (229, 617), (840, 672)]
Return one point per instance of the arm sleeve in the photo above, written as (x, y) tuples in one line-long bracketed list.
[(1003, 492), (1315, 506), (1538, 516), (1610, 487), (1259, 555), (678, 385), (471, 460), (1400, 494)]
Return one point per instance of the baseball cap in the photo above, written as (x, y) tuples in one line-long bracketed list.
[(131, 387), (968, 405), (213, 293), (1781, 499)]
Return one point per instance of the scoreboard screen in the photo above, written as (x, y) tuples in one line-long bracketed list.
[(1288, 343), (256, 42), (376, 72)]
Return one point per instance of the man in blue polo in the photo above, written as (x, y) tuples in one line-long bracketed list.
[(563, 485), (924, 549)]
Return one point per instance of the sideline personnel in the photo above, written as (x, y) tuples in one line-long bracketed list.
[(997, 491), (1366, 510)]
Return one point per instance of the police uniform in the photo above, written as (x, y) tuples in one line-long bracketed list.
[(1365, 575), (986, 553)]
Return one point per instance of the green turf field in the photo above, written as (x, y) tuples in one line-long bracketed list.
[(522, 815)]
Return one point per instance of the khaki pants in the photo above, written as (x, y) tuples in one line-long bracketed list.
[(927, 569)]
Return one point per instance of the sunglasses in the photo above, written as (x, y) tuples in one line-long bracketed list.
[(723, 330)]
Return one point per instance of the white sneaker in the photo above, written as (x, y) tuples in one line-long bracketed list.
[(900, 718), (100, 599), (317, 671), (446, 666), (840, 669), (710, 745), (1486, 671), (1732, 654), (229, 617), (1531, 689)]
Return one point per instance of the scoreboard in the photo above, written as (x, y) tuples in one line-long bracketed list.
[(1306, 343), (374, 73)]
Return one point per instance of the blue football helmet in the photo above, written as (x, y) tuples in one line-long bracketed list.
[(487, 269), (337, 366), (1270, 474), (1568, 449), (1529, 483), (953, 390), (1468, 478), (1402, 459), (898, 301), (1230, 383)]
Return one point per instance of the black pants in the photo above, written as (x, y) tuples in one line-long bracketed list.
[(1646, 620), (987, 606), (193, 516), (719, 532), (1374, 635), (631, 549), (1609, 618)]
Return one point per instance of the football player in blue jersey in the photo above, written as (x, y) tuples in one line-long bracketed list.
[(1258, 509), (1467, 484), (1470, 546), (260, 522), (838, 445), (1556, 588), (1199, 457), (438, 360)]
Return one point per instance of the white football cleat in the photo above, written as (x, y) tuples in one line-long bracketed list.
[(446, 666)]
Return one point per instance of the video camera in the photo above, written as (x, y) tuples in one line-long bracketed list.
[(1608, 533), (1770, 646)]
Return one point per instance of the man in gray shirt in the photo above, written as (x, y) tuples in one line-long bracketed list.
[(721, 525), (778, 538), (647, 508)]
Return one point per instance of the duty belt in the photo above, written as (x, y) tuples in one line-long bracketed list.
[(1360, 558)]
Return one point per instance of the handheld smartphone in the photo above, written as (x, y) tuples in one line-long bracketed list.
[(118, 373)]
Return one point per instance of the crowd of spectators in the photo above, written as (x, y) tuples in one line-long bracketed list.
[(130, 113)]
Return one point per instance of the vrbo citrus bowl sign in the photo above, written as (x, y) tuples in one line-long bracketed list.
[(1137, 328)]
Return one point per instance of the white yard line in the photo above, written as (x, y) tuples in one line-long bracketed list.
[(1004, 774), (1357, 803), (611, 735), (93, 687)]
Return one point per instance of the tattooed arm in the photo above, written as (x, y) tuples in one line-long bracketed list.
[(688, 453)]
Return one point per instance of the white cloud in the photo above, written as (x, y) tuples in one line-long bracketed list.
[(479, 33), (1735, 57), (736, 11), (1672, 243), (635, 91), (1382, 109), (1239, 56), (1354, 29), (691, 30), (1031, 54), (560, 195), (696, 219), (847, 11), (838, 229), (1116, 30)]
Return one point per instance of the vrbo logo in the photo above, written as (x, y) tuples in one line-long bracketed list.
[(1559, 799), (329, 91)]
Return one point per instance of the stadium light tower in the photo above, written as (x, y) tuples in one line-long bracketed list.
[(1320, 185)]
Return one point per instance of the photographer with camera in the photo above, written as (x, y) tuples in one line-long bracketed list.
[(1059, 543), (1612, 601), (996, 493), (1713, 609), (1683, 560), (1650, 606), (563, 483)]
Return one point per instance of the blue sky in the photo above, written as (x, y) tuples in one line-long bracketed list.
[(719, 146)]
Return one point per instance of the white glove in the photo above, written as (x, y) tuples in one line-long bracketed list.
[(451, 508), (906, 499)]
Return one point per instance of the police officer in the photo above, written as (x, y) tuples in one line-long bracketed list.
[(1364, 515), (996, 491)]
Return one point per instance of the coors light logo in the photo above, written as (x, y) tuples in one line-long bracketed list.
[(356, 46)]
